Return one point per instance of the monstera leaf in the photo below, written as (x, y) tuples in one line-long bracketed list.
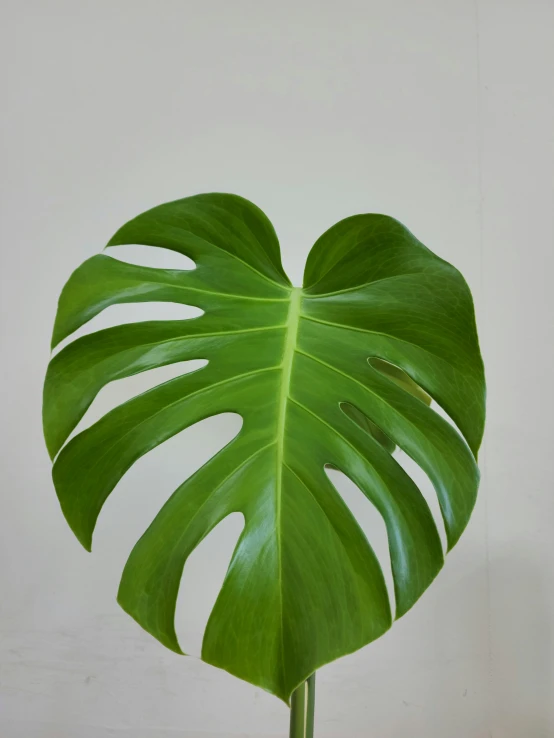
[(330, 375)]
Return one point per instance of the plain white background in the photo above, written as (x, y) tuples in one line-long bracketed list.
[(438, 112)]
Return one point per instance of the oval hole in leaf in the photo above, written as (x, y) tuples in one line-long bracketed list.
[(403, 380), (368, 426), (399, 377)]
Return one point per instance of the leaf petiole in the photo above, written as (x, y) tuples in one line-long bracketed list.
[(302, 710)]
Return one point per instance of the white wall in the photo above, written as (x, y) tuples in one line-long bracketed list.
[(439, 112)]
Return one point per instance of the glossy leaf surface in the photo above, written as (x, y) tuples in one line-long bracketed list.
[(335, 374)]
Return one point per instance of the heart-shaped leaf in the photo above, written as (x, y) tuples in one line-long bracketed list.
[(331, 375)]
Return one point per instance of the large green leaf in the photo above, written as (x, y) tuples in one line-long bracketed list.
[(333, 374)]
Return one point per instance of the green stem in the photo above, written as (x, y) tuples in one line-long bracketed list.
[(302, 710)]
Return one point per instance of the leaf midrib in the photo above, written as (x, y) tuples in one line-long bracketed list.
[(293, 320)]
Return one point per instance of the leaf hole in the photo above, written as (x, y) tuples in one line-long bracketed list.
[(148, 484), (202, 580), (401, 378), (117, 392), (367, 425), (425, 486), (418, 475), (404, 381), (131, 312), (370, 521), (151, 256)]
